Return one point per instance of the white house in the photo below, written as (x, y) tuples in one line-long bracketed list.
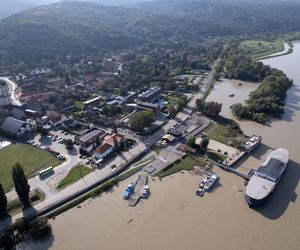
[(103, 150)]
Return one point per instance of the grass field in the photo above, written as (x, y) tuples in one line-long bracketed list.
[(216, 156), (261, 48), (74, 175), (184, 164), (222, 133), (32, 159)]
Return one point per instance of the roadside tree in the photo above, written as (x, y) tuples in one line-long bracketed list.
[(3, 202), (21, 184), (69, 144)]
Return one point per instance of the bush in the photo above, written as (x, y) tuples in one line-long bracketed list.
[(40, 228), (22, 225), (177, 161), (7, 241)]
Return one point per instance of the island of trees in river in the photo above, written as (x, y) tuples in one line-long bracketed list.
[(268, 99)]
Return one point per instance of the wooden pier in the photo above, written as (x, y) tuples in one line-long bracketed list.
[(138, 189)]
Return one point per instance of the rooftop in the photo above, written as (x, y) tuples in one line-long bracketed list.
[(12, 125), (91, 135), (103, 148)]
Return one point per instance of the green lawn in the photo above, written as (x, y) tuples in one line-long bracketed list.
[(261, 48), (216, 156), (222, 133), (184, 164), (74, 175), (79, 105), (32, 159)]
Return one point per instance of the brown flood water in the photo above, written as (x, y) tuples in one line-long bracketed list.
[(175, 218)]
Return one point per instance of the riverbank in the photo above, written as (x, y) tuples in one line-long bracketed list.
[(172, 218), (288, 49)]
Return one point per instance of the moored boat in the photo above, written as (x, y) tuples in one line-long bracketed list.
[(265, 179)]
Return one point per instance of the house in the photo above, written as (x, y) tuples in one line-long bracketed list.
[(88, 141), (150, 94), (114, 140), (69, 123), (103, 150), (55, 118), (97, 101), (16, 128), (148, 106), (168, 138), (186, 148)]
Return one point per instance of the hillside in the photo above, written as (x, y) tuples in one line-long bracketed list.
[(235, 16), (81, 28)]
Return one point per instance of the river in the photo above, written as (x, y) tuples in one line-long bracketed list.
[(175, 218), (279, 133)]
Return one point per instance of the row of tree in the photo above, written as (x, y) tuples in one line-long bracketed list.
[(21, 186)]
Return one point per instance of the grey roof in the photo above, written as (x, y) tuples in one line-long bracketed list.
[(150, 92), (272, 170), (148, 105), (91, 135), (12, 125)]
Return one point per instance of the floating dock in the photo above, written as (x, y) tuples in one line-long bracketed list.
[(138, 189)]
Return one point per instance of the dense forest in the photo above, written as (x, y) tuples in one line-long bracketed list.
[(236, 64), (78, 28), (233, 17)]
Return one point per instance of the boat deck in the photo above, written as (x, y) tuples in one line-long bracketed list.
[(138, 189)]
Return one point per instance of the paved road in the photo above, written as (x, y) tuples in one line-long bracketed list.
[(12, 87)]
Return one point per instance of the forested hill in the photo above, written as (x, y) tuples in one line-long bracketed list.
[(83, 28), (235, 16), (80, 28)]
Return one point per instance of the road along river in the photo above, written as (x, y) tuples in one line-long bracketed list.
[(174, 218)]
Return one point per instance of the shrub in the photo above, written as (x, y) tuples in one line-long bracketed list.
[(40, 228), (7, 241), (22, 225)]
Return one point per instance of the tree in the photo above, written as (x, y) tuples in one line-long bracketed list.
[(69, 144), (191, 142), (212, 109), (172, 110), (22, 225), (3, 202), (7, 240), (40, 228), (204, 143), (200, 104), (21, 184), (141, 119)]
